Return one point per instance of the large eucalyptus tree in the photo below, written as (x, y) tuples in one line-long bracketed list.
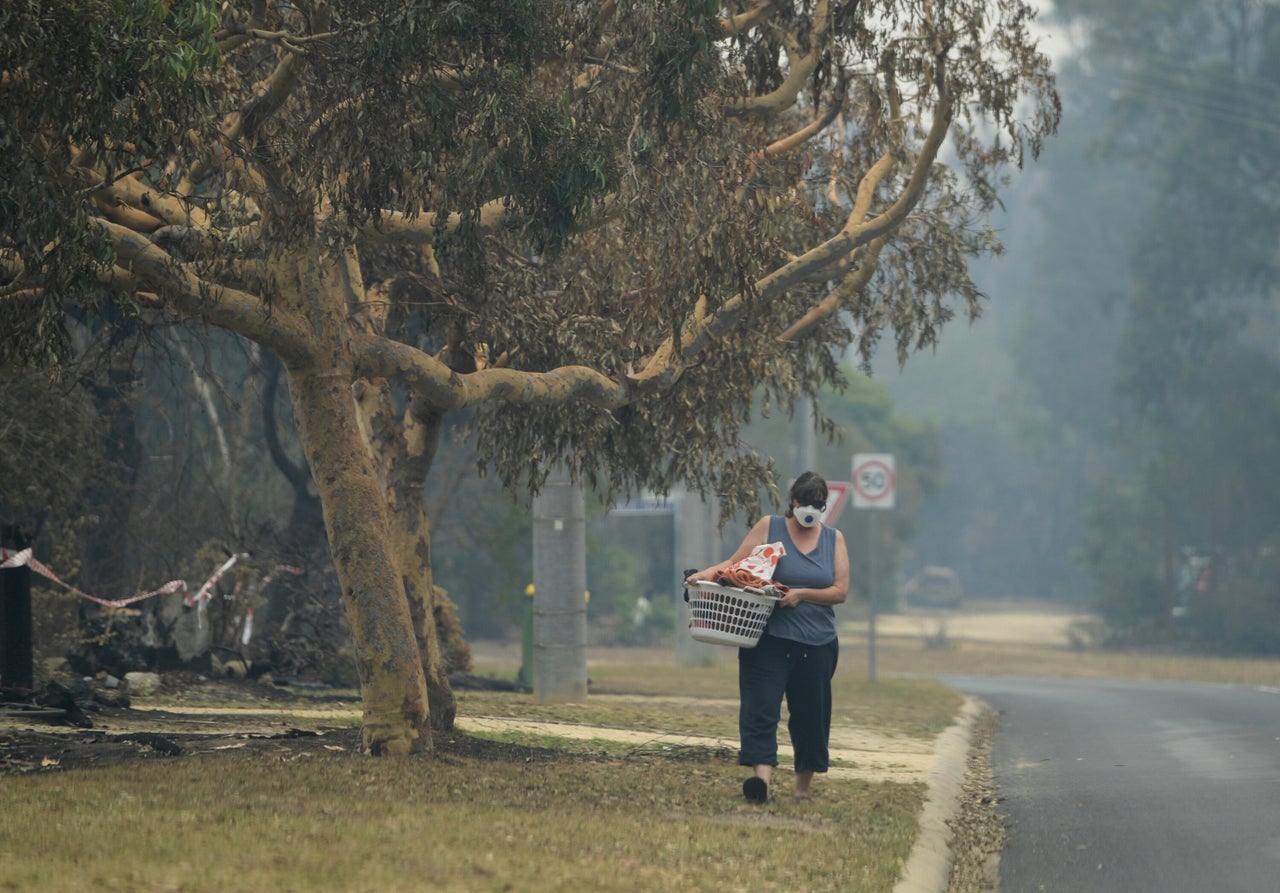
[(603, 228)]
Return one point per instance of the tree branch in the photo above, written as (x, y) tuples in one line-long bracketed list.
[(734, 25), (278, 87), (809, 131), (847, 291), (133, 192), (804, 134), (236, 36), (445, 389), (800, 69), (664, 366), (243, 313), (396, 227)]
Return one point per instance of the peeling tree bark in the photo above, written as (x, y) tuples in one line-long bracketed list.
[(392, 686), (404, 450), (411, 531)]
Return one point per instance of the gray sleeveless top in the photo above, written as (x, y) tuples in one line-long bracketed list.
[(806, 622)]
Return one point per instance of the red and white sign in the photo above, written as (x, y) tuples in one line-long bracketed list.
[(874, 480), (837, 496)]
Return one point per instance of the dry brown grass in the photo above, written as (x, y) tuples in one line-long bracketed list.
[(647, 689), (341, 822), (910, 656), (539, 815)]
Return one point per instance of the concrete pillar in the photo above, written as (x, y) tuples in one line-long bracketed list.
[(698, 545), (806, 446), (559, 592)]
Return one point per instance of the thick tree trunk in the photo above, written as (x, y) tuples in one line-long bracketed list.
[(412, 539), (405, 489), (404, 453), (393, 689), (405, 450)]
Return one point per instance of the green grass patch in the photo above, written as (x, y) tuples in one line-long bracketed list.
[(918, 708)]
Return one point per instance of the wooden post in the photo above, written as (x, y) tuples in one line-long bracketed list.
[(15, 616)]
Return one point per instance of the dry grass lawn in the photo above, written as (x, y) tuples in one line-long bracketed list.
[(522, 821), (529, 811)]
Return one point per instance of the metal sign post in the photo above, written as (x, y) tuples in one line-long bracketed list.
[(874, 478)]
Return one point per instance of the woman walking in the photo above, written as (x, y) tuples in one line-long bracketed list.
[(796, 657)]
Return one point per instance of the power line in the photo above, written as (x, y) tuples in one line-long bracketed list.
[(1177, 92)]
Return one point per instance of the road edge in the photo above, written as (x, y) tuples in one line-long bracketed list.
[(928, 866)]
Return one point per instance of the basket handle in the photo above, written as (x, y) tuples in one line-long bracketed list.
[(687, 574)]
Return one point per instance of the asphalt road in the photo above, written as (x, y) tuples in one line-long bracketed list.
[(1135, 786)]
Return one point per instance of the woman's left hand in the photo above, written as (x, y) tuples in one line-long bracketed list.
[(790, 600)]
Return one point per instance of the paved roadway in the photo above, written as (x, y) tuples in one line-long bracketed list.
[(1129, 787)]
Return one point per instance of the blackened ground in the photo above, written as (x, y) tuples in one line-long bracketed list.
[(91, 730)]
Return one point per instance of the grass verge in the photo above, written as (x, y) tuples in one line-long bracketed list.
[(526, 821), (531, 814), (645, 689), (903, 656)]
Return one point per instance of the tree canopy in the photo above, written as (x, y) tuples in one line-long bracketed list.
[(601, 227)]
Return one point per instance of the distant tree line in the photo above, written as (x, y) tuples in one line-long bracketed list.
[(1132, 466)]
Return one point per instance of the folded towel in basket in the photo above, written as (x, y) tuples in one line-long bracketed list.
[(744, 579), (756, 570)]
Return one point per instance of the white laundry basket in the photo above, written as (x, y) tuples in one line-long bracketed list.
[(726, 615)]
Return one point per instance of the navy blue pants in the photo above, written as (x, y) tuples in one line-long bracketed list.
[(802, 673)]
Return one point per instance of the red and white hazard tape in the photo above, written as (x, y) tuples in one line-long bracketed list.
[(206, 591), (246, 632), (12, 559), (23, 557)]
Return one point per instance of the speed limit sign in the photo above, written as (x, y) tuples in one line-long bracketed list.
[(873, 480)]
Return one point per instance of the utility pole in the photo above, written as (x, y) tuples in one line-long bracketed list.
[(806, 440), (697, 546), (559, 591)]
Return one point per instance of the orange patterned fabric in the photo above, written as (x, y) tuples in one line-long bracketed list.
[(744, 578)]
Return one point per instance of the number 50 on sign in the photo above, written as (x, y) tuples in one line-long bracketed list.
[(873, 480)]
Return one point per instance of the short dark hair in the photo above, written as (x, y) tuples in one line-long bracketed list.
[(809, 489)]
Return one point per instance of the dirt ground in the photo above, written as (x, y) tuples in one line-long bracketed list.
[(35, 739), (193, 716), (196, 717), (284, 722), (995, 622)]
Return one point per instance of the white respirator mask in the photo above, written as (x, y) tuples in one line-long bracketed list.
[(807, 515)]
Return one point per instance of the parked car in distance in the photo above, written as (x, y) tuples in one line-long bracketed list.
[(933, 587)]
